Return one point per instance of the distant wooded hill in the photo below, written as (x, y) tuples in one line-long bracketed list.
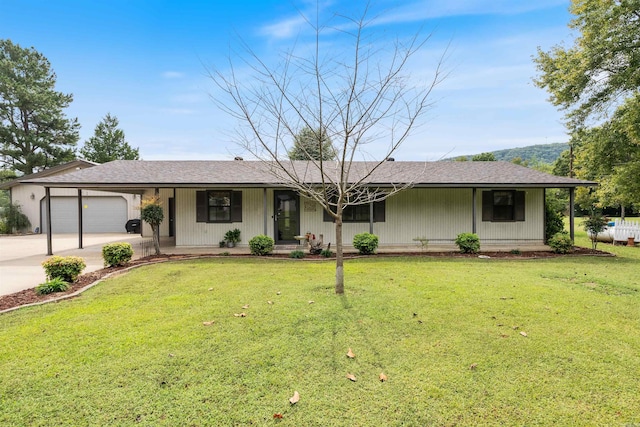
[(547, 153)]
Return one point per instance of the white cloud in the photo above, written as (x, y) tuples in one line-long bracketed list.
[(284, 29), (172, 75), (430, 9)]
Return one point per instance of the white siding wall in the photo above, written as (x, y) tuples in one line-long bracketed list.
[(192, 233), (531, 229), (437, 214)]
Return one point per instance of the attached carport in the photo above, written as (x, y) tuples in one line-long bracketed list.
[(100, 214)]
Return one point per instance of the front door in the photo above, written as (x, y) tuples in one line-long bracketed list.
[(287, 216)]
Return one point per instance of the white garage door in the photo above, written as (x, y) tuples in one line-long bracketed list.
[(99, 214)]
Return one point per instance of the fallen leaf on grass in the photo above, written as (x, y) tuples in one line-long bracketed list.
[(244, 307), (210, 289), (523, 333), (295, 398), (382, 377), (277, 415), (240, 314), (473, 366), (269, 302), (209, 323), (278, 293), (350, 354), (351, 377), (311, 302)]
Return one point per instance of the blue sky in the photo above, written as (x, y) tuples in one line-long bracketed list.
[(146, 62)]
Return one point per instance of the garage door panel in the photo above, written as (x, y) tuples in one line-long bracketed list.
[(99, 214)]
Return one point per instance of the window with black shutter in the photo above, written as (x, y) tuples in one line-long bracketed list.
[(503, 205), (218, 206)]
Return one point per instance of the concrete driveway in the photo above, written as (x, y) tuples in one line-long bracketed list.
[(21, 256)]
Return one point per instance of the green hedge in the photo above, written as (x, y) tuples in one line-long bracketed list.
[(261, 245), (469, 243), (116, 254), (365, 243), (66, 268)]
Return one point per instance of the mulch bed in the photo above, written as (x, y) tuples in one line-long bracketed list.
[(29, 296)]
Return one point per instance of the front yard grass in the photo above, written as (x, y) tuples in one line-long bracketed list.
[(448, 333)]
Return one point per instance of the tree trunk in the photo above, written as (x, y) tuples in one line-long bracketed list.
[(339, 258), (155, 229), (622, 212)]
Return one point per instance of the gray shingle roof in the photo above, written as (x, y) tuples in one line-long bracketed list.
[(136, 174)]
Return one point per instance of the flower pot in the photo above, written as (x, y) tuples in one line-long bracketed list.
[(230, 244), (630, 241)]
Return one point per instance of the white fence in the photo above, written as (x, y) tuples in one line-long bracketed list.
[(624, 229)]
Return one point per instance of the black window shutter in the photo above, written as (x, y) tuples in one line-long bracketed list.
[(201, 206), (518, 202), (236, 206), (379, 213), (487, 205)]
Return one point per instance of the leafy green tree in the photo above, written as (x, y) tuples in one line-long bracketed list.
[(484, 157), (13, 219), (599, 76), (562, 165), (108, 143), (152, 213), (593, 225), (610, 154), (312, 144), (34, 132), (602, 66)]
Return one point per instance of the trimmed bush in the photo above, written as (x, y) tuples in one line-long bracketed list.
[(297, 254), (327, 253), (116, 254), (561, 243), (66, 268), (261, 245), (54, 285), (469, 243), (365, 243)]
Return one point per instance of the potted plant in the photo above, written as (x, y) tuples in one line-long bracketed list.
[(232, 237)]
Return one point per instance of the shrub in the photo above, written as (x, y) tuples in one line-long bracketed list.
[(66, 268), (297, 254), (54, 285), (365, 243), (593, 225), (327, 253), (561, 243), (469, 243), (261, 245), (554, 222), (116, 254), (14, 220)]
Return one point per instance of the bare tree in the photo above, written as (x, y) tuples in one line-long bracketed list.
[(358, 92)]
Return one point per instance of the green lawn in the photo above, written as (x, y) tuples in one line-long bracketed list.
[(134, 350)]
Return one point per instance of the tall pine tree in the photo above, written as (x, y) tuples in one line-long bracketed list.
[(108, 143), (34, 132)]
